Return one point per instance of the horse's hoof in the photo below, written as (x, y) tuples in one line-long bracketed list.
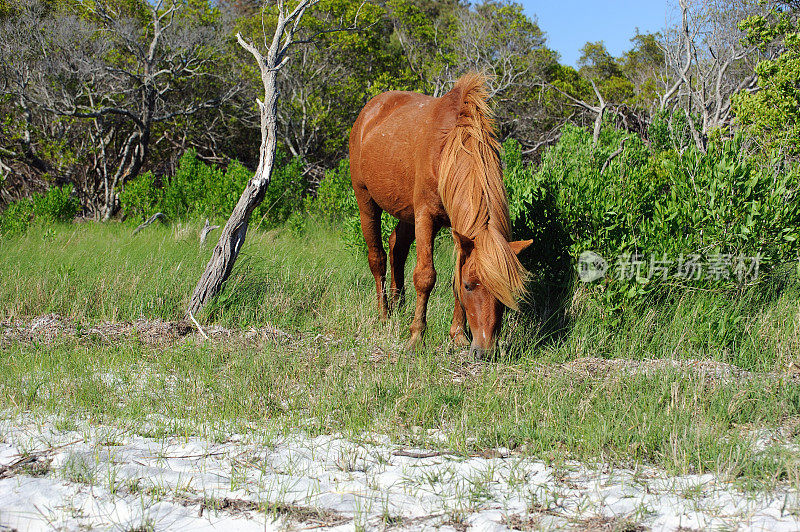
[(477, 353), (414, 343), (460, 340)]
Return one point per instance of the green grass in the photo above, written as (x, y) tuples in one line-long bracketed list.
[(675, 420), (325, 379), (314, 283), (102, 272)]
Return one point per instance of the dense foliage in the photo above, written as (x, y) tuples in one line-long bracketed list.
[(201, 190), (57, 205), (660, 219), (127, 86), (772, 113), (703, 194)]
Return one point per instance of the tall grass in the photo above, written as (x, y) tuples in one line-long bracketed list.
[(314, 282), (327, 377)]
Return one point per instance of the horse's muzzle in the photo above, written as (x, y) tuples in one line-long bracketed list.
[(478, 351)]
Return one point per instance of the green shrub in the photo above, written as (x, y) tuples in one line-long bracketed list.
[(335, 198), (670, 131), (285, 194), (57, 205), (650, 211), (772, 114), (535, 215), (141, 198), (16, 217), (201, 190)]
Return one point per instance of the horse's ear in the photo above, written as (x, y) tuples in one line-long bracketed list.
[(465, 243), (519, 246)]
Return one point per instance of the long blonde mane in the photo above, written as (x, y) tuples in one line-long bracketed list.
[(472, 191)]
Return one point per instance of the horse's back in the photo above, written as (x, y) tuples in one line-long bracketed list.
[(394, 142)]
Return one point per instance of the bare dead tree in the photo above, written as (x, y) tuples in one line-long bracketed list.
[(685, 39), (707, 62), (598, 110), (233, 234), (488, 41), (550, 137), (18, 70), (118, 76)]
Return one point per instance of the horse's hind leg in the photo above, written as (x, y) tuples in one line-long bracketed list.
[(370, 215), (399, 244)]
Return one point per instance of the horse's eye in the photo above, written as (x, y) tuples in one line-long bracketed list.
[(470, 286)]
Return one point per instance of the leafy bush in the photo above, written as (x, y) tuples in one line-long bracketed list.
[(58, 204), (198, 190), (335, 198), (651, 214), (536, 216), (287, 188), (16, 217), (141, 197), (670, 131), (772, 113)]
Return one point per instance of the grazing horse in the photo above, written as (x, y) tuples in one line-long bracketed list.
[(433, 163)]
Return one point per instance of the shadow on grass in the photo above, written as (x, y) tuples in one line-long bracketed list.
[(544, 318)]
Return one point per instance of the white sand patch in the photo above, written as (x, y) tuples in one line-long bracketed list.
[(84, 475)]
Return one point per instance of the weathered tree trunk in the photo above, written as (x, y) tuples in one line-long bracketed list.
[(600, 110), (233, 234)]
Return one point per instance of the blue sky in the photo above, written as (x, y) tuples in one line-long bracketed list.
[(570, 23)]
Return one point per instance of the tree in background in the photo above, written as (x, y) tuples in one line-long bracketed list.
[(270, 64), (114, 77), (239, 8), (442, 40), (708, 61), (128, 86), (327, 82), (772, 113), (641, 65)]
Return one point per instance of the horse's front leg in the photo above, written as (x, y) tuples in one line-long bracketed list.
[(424, 276), (458, 328)]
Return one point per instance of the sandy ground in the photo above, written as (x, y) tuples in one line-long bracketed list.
[(75, 475), (68, 474)]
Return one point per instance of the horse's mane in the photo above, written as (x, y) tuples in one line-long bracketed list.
[(473, 194)]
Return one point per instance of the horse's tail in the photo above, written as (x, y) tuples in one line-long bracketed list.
[(472, 191)]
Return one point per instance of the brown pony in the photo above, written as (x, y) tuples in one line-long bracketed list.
[(431, 163)]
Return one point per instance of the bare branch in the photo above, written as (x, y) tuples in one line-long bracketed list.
[(613, 155), (149, 221)]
